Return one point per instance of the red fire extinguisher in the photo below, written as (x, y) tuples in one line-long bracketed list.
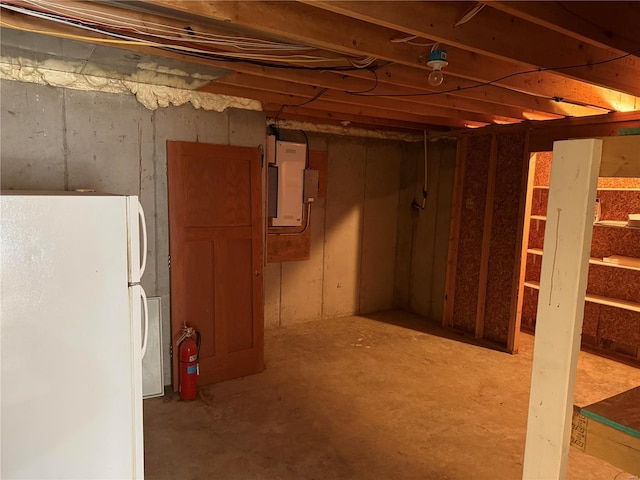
[(189, 349)]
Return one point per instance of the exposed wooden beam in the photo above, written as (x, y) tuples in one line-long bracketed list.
[(414, 104), (389, 78), (301, 93), (498, 35), (310, 114), (609, 24), (402, 75), (336, 107), (311, 26)]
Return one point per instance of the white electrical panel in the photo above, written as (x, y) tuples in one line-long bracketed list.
[(291, 159)]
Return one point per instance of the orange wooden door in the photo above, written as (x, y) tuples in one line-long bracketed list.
[(215, 243)]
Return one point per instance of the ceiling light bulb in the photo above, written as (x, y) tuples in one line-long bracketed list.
[(436, 78), (437, 61)]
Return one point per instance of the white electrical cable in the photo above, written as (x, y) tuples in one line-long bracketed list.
[(408, 41), (166, 32), (135, 40)]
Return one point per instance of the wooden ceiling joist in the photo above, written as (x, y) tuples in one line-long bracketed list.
[(495, 33), (484, 83), (611, 24)]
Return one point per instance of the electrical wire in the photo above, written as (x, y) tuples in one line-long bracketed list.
[(408, 41), (130, 24), (500, 79), (289, 61), (375, 84), (128, 40), (284, 105)]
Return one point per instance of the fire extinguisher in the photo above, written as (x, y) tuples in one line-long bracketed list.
[(189, 348)]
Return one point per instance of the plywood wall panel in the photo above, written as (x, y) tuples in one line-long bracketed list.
[(529, 309), (616, 204), (289, 248), (614, 282), (622, 326), (536, 234), (591, 316), (471, 228), (534, 267), (543, 168), (506, 225), (615, 241), (539, 201)]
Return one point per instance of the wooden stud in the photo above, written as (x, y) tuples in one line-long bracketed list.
[(529, 174), (454, 228), (414, 104), (398, 109), (486, 237), (310, 25), (572, 193)]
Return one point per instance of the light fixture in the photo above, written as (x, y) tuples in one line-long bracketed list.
[(437, 60)]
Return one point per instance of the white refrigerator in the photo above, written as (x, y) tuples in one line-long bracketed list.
[(72, 335)]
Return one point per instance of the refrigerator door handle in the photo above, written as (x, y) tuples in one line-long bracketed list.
[(145, 308), (144, 238)]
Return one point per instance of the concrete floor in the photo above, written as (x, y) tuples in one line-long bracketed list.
[(376, 397)]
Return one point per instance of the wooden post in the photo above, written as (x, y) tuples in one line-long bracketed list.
[(513, 341), (454, 232), (563, 284), (486, 237)]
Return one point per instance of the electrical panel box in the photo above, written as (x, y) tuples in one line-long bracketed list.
[(311, 184), (272, 189), (291, 159)]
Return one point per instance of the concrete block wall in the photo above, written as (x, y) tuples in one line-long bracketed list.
[(370, 250), (353, 237), (59, 139), (423, 235)]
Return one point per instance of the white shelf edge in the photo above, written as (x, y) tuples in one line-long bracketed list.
[(602, 223), (610, 302), (592, 260), (602, 189)]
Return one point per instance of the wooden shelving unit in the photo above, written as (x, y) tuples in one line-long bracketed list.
[(600, 299), (611, 324), (592, 261), (601, 223)]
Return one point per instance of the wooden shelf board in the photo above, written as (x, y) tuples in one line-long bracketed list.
[(602, 223), (611, 223), (611, 302), (600, 189), (592, 260)]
